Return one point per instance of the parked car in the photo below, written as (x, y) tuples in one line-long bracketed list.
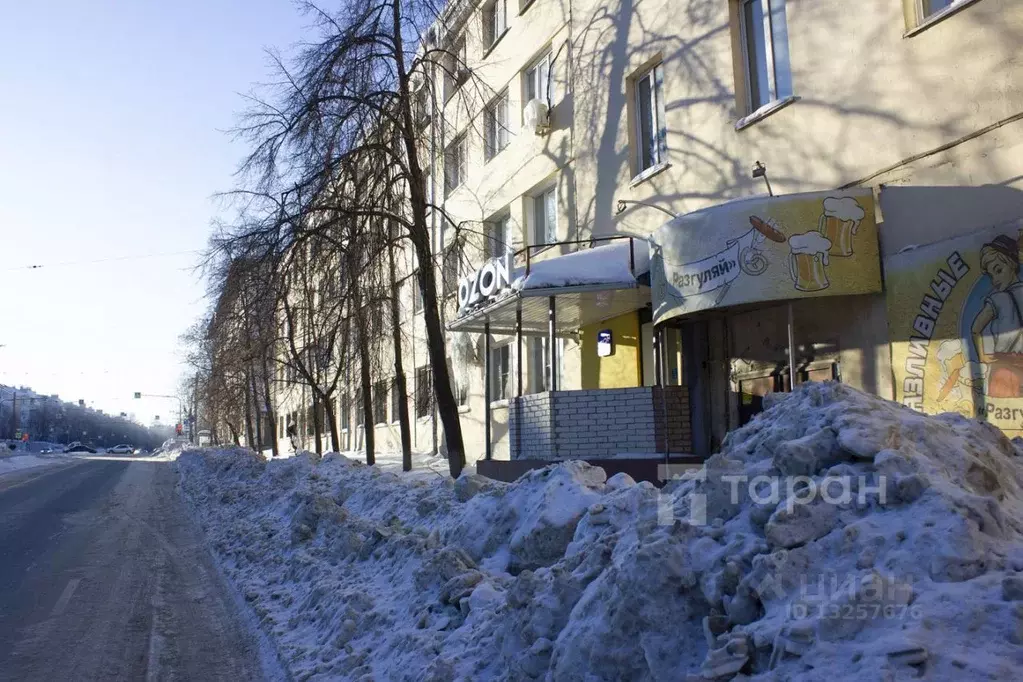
[(122, 449), (80, 447)]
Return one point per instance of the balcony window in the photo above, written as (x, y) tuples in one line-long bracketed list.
[(498, 239)]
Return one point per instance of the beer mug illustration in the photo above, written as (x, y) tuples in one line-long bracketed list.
[(807, 260), (839, 222)]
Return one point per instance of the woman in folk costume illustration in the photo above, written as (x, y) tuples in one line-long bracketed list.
[(998, 327)]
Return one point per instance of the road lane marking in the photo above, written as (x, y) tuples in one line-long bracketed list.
[(65, 597)]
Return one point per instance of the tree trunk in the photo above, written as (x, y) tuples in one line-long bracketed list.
[(255, 406), (447, 407), (317, 422), (248, 418), (400, 383), (335, 437), (271, 415), (369, 431)]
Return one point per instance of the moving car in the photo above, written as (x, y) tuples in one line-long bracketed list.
[(80, 447), (122, 449)]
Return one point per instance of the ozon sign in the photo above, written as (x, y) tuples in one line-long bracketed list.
[(484, 284)]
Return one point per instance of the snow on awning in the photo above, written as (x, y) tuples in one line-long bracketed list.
[(589, 286)]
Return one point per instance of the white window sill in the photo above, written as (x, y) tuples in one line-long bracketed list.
[(764, 111), (937, 16), (463, 409), (649, 173), (498, 404)]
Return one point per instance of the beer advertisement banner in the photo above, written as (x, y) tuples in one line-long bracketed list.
[(766, 249), (955, 313)]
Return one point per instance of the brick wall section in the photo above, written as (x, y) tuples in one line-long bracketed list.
[(600, 423)]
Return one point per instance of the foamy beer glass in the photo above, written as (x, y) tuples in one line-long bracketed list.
[(838, 224), (807, 259)]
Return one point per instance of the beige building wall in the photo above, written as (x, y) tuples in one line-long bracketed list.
[(929, 115)]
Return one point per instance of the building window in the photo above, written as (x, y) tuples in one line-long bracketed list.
[(537, 80), (310, 421), (495, 126), (396, 399), (450, 270), (360, 412), (545, 217), (424, 391), (423, 106), (456, 68), (454, 164), (380, 402), (500, 369), (498, 236), (495, 21), (929, 8), (417, 295), (651, 133), (540, 363), (765, 42), (343, 411)]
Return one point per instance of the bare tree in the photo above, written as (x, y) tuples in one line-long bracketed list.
[(349, 105)]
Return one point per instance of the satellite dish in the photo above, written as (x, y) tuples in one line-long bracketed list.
[(537, 117)]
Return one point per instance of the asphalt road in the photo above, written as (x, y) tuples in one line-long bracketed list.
[(103, 577)]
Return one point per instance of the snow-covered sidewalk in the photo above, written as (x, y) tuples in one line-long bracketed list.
[(877, 544), (17, 462)]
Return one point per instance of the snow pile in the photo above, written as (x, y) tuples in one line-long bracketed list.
[(893, 551), (607, 264)]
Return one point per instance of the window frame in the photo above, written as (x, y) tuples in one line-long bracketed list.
[(659, 129), (531, 76), (495, 22), (459, 147), (456, 73), (417, 296), (550, 235), (344, 413), (395, 400), (424, 390), (767, 29), (380, 402), (493, 127), (498, 388), (498, 235)]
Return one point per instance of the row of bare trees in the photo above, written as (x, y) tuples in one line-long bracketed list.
[(334, 213)]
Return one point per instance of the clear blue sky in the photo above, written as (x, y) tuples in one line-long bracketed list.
[(111, 114)]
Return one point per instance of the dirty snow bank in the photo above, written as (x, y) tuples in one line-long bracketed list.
[(563, 575)]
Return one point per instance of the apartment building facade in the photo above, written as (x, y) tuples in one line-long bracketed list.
[(590, 120)]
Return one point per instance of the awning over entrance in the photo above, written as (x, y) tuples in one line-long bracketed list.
[(589, 286), (773, 248)]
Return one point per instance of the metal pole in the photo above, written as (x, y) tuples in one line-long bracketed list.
[(518, 379), (552, 352), (792, 352), (486, 390), (518, 349)]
